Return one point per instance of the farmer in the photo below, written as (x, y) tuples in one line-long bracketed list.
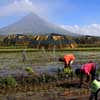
[(95, 89), (68, 59), (88, 69)]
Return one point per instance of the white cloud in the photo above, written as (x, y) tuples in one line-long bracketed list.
[(92, 29), (20, 6)]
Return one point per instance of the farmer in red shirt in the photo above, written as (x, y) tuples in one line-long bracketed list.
[(88, 69)]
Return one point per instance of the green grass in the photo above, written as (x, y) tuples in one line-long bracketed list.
[(17, 50), (8, 50), (83, 49)]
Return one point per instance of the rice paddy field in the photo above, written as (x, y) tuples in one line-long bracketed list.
[(17, 84)]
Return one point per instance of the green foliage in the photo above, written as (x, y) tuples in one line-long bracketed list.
[(29, 70), (47, 78), (88, 45), (87, 40), (8, 81), (98, 72)]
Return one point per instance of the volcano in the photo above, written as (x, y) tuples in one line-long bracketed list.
[(33, 23)]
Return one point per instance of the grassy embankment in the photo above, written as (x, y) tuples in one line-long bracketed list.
[(8, 50)]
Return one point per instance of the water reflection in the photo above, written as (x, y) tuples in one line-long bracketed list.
[(43, 61)]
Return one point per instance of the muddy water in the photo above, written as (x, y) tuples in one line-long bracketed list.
[(12, 64), (51, 93)]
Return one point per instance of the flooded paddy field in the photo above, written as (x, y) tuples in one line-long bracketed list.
[(27, 87), (12, 63)]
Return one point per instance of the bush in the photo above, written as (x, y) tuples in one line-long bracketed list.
[(8, 81)]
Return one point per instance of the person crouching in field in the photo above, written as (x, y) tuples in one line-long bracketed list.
[(68, 59), (88, 70)]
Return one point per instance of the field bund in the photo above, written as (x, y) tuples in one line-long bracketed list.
[(8, 50)]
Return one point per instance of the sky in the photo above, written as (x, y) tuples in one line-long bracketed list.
[(79, 16)]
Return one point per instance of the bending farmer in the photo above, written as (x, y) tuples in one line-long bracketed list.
[(95, 90), (88, 69), (68, 60)]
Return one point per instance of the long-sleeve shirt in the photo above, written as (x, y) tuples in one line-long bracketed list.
[(68, 58), (88, 67)]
